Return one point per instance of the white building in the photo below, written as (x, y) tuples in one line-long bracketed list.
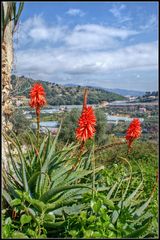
[(142, 110)]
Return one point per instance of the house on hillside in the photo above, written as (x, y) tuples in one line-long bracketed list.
[(132, 98), (28, 116), (103, 104), (142, 109), (20, 100)]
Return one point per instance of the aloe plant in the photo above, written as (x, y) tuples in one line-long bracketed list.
[(42, 181)]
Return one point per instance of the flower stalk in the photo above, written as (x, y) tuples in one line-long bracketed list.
[(133, 132), (37, 101), (86, 126), (86, 122), (38, 128), (94, 174), (108, 146)]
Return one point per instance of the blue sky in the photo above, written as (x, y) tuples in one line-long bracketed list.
[(106, 44)]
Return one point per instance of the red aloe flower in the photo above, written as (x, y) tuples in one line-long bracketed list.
[(37, 100), (37, 97), (86, 122), (133, 131)]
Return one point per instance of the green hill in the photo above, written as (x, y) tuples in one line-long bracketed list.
[(62, 95)]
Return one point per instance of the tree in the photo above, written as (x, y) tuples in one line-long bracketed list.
[(70, 124), (10, 17), (147, 94), (101, 127), (19, 121)]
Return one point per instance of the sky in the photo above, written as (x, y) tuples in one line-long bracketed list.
[(103, 44)]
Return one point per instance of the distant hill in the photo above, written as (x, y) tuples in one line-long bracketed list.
[(63, 95), (123, 92)]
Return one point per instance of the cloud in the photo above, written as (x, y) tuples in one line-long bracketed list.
[(117, 11), (35, 30), (85, 36), (150, 24), (59, 53), (52, 62), (94, 36), (75, 12)]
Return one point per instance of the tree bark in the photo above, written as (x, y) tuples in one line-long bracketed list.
[(7, 60)]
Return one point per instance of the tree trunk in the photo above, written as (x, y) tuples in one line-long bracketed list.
[(7, 59)]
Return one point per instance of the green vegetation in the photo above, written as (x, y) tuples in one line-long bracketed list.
[(19, 121), (149, 97), (62, 95), (127, 210), (53, 117), (154, 93), (55, 186), (115, 201), (34, 192), (69, 126)]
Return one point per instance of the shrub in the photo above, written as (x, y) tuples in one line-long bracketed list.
[(19, 121), (121, 211)]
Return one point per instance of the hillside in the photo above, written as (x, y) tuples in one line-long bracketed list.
[(123, 92), (62, 95)]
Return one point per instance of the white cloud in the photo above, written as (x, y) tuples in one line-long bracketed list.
[(39, 34), (57, 52), (54, 61), (51, 34), (75, 12), (94, 36), (84, 37), (35, 30), (117, 11), (110, 31)]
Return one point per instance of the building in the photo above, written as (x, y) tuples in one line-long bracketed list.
[(115, 119), (20, 100), (28, 116), (142, 109), (103, 104), (152, 97), (18, 103), (131, 98)]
